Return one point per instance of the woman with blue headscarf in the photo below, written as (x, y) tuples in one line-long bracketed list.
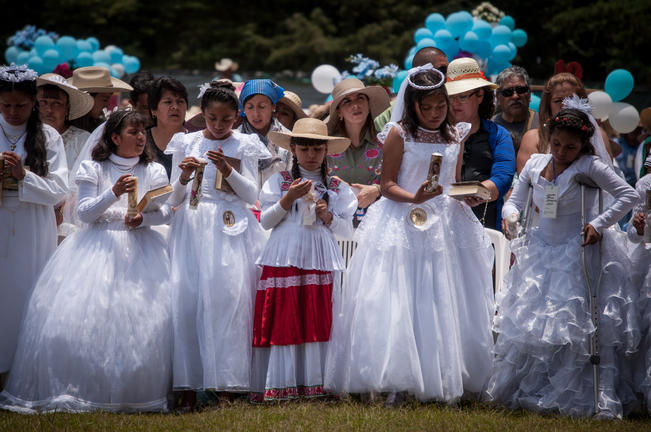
[(257, 103)]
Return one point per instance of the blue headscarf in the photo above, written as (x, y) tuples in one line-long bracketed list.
[(260, 86)]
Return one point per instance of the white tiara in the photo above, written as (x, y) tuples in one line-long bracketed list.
[(431, 87), (17, 74)]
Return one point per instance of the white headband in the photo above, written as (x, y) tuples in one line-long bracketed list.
[(17, 74)]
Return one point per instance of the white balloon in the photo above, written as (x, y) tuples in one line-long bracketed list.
[(324, 78), (623, 117), (601, 103), (119, 68)]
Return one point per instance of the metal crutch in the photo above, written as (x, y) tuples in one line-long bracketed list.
[(527, 215), (595, 358)]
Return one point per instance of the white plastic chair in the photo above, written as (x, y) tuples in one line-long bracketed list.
[(347, 246), (502, 256)]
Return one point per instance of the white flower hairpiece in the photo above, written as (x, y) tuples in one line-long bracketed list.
[(578, 103), (202, 89), (17, 74)]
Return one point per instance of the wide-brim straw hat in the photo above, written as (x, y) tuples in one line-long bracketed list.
[(293, 101), (464, 75), (80, 102), (378, 98), (310, 128), (96, 79), (226, 64)]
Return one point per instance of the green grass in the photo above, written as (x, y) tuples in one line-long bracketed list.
[(320, 416)]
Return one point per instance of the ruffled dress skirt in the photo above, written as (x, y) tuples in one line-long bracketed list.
[(544, 329), (416, 307), (641, 259), (97, 334), (214, 279)]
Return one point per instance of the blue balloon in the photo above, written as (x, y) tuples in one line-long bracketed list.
[(51, 58), (23, 58), (104, 65), (513, 49), (425, 43), (507, 20), (619, 84), (501, 36), (494, 67), (435, 22), (408, 62), (422, 33), (412, 50), (442, 38), (114, 73), (42, 44), (83, 46), (482, 29), (458, 23), (519, 37), (94, 43), (469, 42), (11, 54), (101, 56), (535, 102), (397, 80), (451, 49), (484, 49), (501, 54), (116, 55), (84, 59), (67, 46), (131, 64), (37, 65)]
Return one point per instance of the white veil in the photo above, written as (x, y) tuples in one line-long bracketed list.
[(597, 141), (399, 106)]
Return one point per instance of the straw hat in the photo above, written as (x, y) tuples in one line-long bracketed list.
[(464, 75), (293, 101), (310, 128), (378, 99), (226, 64), (79, 101), (96, 79)]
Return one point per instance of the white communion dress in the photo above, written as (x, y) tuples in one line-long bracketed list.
[(213, 249), (28, 232), (543, 316), (415, 313), (97, 333)]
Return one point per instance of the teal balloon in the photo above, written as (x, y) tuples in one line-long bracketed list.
[(116, 55), (408, 61), (494, 67), (412, 50), (458, 23), (422, 33), (484, 49), (101, 56), (469, 42), (36, 63), (11, 54), (513, 49), (443, 38), (451, 49), (114, 73), (94, 43), (397, 80), (519, 37), (131, 64), (482, 29), (84, 59), (103, 65), (507, 20), (501, 54), (23, 58), (51, 58), (535, 102), (425, 43), (67, 46), (42, 44), (435, 22), (83, 46), (619, 84), (501, 35)]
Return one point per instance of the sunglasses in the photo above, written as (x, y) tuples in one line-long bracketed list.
[(509, 91)]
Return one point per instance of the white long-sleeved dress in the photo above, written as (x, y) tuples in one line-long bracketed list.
[(543, 317), (97, 333)]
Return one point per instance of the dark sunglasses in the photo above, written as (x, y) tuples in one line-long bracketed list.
[(519, 90)]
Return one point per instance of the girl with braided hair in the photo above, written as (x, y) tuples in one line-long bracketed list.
[(214, 241), (543, 317), (305, 209)]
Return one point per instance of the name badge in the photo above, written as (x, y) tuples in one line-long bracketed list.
[(551, 202)]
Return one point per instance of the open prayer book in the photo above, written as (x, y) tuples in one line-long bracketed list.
[(475, 189), (154, 199), (221, 184)]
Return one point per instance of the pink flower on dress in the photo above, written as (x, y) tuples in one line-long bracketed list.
[(337, 155), (372, 153)]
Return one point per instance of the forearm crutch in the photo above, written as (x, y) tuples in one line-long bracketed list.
[(527, 214), (593, 292)]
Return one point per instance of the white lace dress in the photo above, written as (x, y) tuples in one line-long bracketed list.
[(415, 313), (97, 333), (543, 317)]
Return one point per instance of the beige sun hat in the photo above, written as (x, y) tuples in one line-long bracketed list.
[(226, 64), (310, 128), (80, 102), (96, 79), (463, 75), (293, 101), (378, 98)]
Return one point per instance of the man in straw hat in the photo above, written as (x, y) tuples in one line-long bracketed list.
[(289, 109), (101, 85), (227, 68), (488, 154)]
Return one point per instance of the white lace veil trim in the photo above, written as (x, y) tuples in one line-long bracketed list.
[(399, 106), (597, 141)]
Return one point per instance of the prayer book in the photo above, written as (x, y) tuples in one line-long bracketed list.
[(221, 184), (475, 189), (154, 199)]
